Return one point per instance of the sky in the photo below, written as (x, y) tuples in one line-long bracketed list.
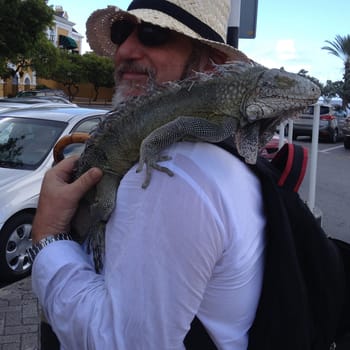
[(289, 34)]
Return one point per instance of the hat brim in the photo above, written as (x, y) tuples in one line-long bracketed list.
[(98, 30)]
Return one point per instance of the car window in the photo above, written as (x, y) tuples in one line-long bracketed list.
[(25, 143), (87, 125), (324, 110)]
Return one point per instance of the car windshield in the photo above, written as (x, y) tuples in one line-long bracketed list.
[(25, 143)]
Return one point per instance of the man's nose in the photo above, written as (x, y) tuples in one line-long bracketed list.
[(131, 48)]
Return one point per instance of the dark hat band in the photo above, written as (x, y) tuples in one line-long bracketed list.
[(179, 14)]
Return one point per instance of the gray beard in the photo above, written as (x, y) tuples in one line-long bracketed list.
[(192, 66)]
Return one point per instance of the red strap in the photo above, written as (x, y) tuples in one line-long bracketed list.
[(291, 160)]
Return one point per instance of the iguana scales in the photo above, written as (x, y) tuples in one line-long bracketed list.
[(243, 100)]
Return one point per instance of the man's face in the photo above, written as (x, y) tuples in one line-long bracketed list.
[(138, 64)]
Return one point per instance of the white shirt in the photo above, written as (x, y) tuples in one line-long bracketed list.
[(191, 244)]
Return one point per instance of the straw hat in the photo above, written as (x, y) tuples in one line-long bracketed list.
[(204, 20)]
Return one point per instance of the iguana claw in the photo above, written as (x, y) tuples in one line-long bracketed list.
[(153, 164)]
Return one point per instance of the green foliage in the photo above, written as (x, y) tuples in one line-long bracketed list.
[(99, 71), (69, 71), (21, 24), (44, 58), (340, 47), (333, 89)]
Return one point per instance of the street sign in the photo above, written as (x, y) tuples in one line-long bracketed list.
[(242, 21), (247, 24)]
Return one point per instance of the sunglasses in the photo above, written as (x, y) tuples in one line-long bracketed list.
[(148, 34)]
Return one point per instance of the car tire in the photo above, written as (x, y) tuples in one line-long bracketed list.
[(347, 142), (15, 238), (333, 137)]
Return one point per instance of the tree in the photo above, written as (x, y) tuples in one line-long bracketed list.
[(44, 58), (99, 71), (340, 48), (69, 71), (332, 89), (22, 25)]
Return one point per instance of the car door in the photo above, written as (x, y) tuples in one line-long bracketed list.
[(340, 115)]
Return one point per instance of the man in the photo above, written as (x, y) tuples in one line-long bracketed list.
[(189, 245)]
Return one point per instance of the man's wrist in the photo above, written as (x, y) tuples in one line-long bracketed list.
[(34, 250)]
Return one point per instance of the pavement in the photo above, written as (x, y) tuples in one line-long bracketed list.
[(19, 317)]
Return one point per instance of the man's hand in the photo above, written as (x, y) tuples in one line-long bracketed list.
[(59, 199)]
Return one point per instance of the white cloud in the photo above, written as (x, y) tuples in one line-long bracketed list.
[(285, 49)]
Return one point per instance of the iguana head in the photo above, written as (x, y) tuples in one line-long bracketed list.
[(278, 94), (267, 98)]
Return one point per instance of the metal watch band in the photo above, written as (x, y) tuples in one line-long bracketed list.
[(33, 251)]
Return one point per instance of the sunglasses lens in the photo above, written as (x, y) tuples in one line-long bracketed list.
[(151, 35), (120, 31), (148, 34)]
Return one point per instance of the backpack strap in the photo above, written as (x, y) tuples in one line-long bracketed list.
[(291, 161)]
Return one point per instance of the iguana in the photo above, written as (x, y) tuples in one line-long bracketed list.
[(243, 100)]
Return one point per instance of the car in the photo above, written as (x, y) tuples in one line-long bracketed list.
[(272, 147), (41, 99), (42, 92), (27, 138), (7, 104), (332, 118), (346, 133)]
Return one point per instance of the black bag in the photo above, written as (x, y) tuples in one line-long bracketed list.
[(304, 304)]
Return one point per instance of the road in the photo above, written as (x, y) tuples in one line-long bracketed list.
[(332, 187)]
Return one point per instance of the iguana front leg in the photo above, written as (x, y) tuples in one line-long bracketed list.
[(184, 129)]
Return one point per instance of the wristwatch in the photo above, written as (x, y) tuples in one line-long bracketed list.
[(33, 251)]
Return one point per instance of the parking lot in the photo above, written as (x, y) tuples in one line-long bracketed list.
[(332, 187)]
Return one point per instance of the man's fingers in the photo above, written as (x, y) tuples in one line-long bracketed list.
[(87, 180), (64, 168)]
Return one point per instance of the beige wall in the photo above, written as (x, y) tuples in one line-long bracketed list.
[(86, 91)]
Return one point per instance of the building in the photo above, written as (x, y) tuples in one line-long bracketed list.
[(63, 34)]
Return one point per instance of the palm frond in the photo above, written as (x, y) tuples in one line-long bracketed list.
[(340, 47)]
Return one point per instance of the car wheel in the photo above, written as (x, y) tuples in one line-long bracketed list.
[(347, 142), (15, 238), (334, 136)]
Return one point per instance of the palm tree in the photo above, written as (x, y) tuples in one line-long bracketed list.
[(340, 47)]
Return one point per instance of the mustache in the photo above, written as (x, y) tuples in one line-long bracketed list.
[(133, 67)]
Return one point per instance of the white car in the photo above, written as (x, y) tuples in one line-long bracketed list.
[(27, 138), (8, 104)]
